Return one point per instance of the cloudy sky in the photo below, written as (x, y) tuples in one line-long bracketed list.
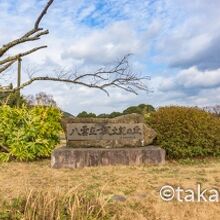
[(175, 42)]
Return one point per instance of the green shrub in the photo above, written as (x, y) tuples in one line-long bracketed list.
[(28, 133), (186, 132)]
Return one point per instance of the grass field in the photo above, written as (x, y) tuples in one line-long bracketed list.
[(92, 189)]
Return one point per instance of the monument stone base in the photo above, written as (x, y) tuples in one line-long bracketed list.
[(66, 157)]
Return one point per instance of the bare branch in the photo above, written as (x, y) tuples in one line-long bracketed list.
[(37, 23), (31, 35), (17, 56), (6, 66), (118, 76), (21, 40), (47, 78)]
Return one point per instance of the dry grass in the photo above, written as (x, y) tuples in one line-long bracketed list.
[(86, 193)]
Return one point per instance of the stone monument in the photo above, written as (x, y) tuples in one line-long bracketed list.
[(122, 140)]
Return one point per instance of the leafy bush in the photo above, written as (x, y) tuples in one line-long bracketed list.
[(28, 133), (186, 132)]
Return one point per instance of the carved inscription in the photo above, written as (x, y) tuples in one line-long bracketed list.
[(101, 131)]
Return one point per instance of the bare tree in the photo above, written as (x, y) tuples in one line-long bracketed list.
[(213, 109), (32, 35), (41, 98), (118, 75)]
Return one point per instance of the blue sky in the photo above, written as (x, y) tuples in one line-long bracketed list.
[(175, 42)]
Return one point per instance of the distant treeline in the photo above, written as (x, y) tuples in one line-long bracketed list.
[(140, 109)]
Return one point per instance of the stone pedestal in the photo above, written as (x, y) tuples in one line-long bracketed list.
[(66, 157)]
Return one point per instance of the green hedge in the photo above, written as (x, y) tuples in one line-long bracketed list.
[(186, 132), (28, 133)]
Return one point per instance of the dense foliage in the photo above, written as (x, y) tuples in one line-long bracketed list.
[(28, 133), (186, 132)]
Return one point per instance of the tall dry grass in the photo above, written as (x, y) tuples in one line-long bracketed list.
[(55, 205)]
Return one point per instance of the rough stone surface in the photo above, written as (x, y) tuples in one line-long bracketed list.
[(65, 157), (146, 136)]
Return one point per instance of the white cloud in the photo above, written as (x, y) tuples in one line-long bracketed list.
[(192, 78), (193, 36), (106, 45)]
